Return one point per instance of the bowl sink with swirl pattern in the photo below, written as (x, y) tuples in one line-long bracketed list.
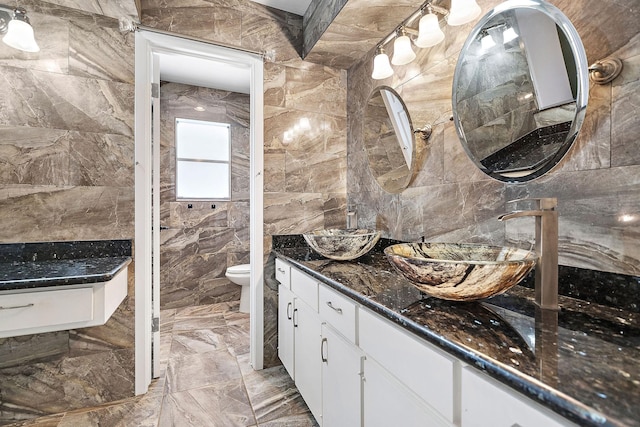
[(460, 271), (342, 245)]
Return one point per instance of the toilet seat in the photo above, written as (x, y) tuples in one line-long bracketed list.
[(239, 269)]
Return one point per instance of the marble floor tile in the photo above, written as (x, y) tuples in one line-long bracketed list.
[(237, 339), (298, 420), (273, 395), (185, 343), (199, 370), (167, 318), (186, 323), (206, 380), (225, 404)]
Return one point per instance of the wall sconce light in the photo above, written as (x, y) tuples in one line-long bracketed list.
[(462, 12), (18, 32), (486, 42), (402, 51), (381, 65), (428, 34), (508, 35)]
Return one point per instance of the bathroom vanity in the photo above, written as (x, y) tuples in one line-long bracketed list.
[(55, 286), (365, 347)]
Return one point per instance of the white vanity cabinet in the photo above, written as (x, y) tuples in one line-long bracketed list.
[(487, 402), (308, 365), (414, 371), (388, 402), (355, 368), (299, 334), (285, 328), (341, 361), (312, 345), (39, 310)]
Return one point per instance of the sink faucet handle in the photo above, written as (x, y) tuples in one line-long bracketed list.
[(544, 203)]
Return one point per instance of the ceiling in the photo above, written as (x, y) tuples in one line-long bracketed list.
[(299, 7), (205, 73)]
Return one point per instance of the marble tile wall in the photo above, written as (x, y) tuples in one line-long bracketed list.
[(596, 184), (66, 173), (304, 175), (200, 242)]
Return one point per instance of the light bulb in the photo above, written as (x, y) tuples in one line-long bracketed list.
[(429, 32), (20, 36), (381, 66), (304, 123), (463, 11), (509, 34), (487, 42), (402, 51)]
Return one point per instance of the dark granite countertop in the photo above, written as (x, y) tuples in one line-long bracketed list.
[(582, 362), (38, 265)]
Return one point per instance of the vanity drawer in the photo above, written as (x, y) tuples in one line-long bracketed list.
[(283, 273), (339, 311), (45, 309), (418, 365), (305, 288)]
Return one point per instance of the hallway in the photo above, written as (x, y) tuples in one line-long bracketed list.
[(206, 380)]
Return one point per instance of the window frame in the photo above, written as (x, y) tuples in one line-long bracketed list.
[(178, 159)]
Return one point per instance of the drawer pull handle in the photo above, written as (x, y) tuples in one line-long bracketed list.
[(339, 310), (281, 270), (324, 359), (16, 306), (288, 313)]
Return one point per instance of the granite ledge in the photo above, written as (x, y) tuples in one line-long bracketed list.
[(49, 264)]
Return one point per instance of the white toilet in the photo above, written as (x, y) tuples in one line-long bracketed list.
[(240, 275)]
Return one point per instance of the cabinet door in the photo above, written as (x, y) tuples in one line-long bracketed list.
[(308, 364), (386, 402), (485, 402), (418, 365), (341, 389), (285, 329)]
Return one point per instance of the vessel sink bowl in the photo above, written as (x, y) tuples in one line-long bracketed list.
[(458, 271), (342, 245)]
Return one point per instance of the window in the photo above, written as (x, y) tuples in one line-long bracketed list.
[(203, 160)]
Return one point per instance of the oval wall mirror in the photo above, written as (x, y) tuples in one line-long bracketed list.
[(388, 139), (520, 90)]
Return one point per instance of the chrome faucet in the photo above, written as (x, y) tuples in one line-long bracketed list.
[(546, 247)]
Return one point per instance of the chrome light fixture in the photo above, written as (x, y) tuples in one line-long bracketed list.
[(428, 33), (18, 32)]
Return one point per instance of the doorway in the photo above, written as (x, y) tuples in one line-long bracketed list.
[(150, 47)]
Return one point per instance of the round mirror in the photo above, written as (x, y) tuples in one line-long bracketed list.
[(520, 90), (388, 139)]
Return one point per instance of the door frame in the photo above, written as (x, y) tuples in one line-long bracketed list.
[(146, 44)]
